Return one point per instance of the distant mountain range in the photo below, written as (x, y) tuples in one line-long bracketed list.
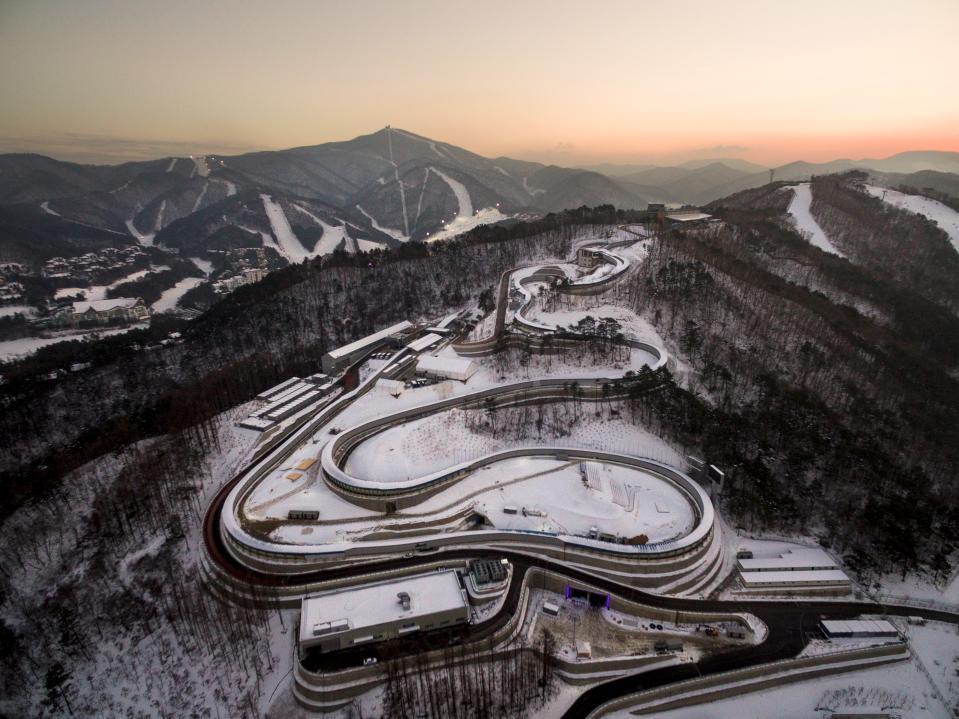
[(381, 189)]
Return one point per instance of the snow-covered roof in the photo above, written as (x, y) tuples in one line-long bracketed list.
[(687, 216), (275, 390), (835, 627), (452, 367), (821, 576), (376, 604), (418, 345), (123, 303), (359, 344), (795, 560)]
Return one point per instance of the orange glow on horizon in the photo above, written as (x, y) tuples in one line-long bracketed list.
[(558, 81)]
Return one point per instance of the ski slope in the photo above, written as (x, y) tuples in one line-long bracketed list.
[(943, 215), (395, 234), (466, 219), (169, 299), (799, 208), (332, 235), (289, 246)]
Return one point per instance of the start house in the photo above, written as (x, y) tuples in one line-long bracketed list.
[(381, 611)]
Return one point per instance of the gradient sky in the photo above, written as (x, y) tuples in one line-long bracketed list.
[(565, 82)]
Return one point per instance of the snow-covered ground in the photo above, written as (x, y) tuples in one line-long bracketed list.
[(634, 326), (99, 292), (799, 208), (230, 187), (395, 234), (441, 440), (144, 238), (205, 266), (169, 299), (460, 224), (12, 349), (199, 198), (466, 218), (331, 238), (200, 165), (11, 310), (914, 689), (129, 646), (943, 215), (289, 245)]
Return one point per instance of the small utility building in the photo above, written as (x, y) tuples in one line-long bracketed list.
[(381, 611)]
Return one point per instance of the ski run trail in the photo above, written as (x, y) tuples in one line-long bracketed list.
[(396, 173), (290, 246), (943, 215), (395, 234), (332, 236), (806, 223)]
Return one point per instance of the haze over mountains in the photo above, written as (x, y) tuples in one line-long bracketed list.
[(380, 189)]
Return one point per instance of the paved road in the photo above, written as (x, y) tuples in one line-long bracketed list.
[(789, 622)]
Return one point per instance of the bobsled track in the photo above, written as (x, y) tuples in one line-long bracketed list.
[(243, 566)]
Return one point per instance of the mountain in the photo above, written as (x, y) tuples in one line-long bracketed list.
[(946, 183), (380, 189), (733, 162)]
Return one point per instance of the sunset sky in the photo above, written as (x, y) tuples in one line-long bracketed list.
[(563, 82)]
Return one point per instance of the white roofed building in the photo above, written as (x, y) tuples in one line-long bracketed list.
[(336, 360), (381, 611), (446, 367), (102, 312)]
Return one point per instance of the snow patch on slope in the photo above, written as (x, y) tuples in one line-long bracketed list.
[(45, 206), (171, 165), (332, 235), (466, 219), (395, 234), (531, 190), (799, 208), (230, 187), (199, 198), (169, 299), (290, 246), (145, 239), (943, 215)]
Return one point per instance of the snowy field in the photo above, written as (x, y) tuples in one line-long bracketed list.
[(633, 326), (916, 688), (943, 215), (442, 440), (12, 349), (169, 299), (11, 310), (801, 214), (99, 292)]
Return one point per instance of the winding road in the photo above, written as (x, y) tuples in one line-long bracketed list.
[(789, 622)]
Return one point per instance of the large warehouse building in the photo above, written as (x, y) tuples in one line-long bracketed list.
[(381, 611), (342, 357)]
